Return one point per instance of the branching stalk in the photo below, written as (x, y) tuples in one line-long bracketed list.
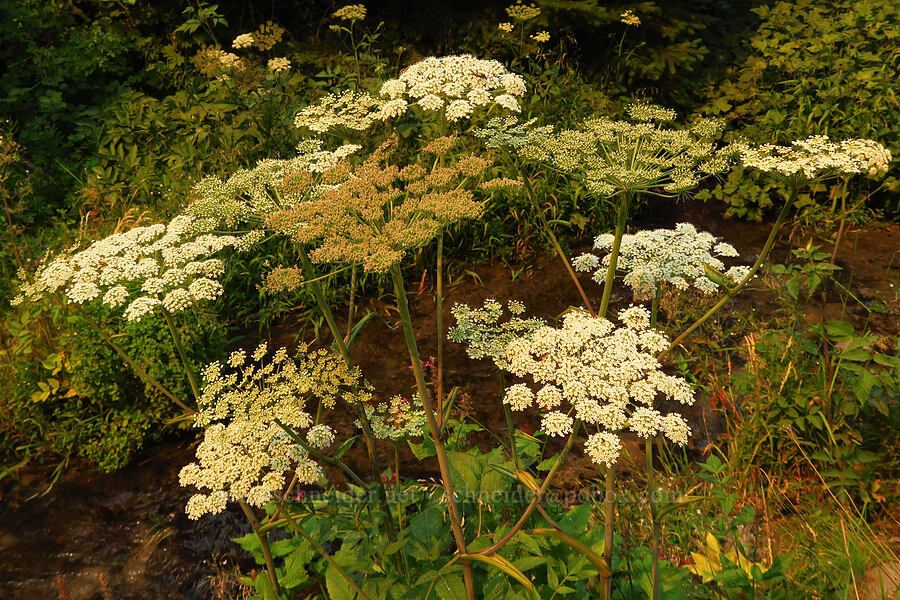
[(555, 243), (743, 282), (264, 544)]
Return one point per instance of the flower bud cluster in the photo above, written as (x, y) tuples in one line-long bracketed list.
[(616, 156), (397, 420), (484, 335)]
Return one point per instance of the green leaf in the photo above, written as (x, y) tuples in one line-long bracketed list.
[(793, 288), (465, 470), (427, 524), (838, 328), (424, 450), (576, 520), (338, 587), (857, 354)]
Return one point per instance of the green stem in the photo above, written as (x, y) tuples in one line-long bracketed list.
[(323, 457), (264, 544), (321, 551), (609, 522), (135, 367), (621, 217), (555, 242), (609, 501), (439, 306), (443, 462), (368, 436), (183, 356), (743, 282), (654, 519), (309, 274), (510, 428)]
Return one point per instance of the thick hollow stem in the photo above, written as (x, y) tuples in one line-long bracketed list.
[(264, 544), (555, 242), (621, 217), (439, 307), (183, 356), (134, 366), (443, 462), (654, 520), (743, 282), (609, 522)]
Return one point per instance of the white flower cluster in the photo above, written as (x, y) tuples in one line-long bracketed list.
[(455, 84), (245, 454), (483, 333), (816, 157), (251, 194), (653, 258), (397, 420), (605, 376), (168, 266)]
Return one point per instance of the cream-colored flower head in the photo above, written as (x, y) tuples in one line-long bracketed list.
[(630, 19), (351, 12), (658, 258), (454, 84), (353, 110), (245, 453), (169, 266), (817, 157), (245, 40), (605, 376), (279, 64)]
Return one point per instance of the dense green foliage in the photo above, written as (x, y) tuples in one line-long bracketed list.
[(815, 68)]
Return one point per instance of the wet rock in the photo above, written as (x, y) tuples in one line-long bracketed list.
[(881, 582)]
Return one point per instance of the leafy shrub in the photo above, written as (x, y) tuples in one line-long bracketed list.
[(816, 67), (79, 397)]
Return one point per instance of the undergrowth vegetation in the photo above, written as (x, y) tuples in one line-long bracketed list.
[(175, 195)]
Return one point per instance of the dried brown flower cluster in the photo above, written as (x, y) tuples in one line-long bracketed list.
[(374, 212)]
